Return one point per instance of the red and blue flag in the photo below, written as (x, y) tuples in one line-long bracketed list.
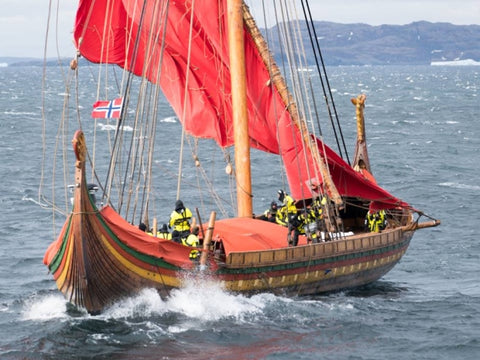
[(108, 109)]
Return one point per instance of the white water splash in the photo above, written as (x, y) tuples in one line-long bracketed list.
[(146, 303), (207, 300), (198, 299), (46, 308)]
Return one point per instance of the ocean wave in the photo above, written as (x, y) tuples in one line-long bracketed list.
[(111, 127), (20, 113), (460, 186), (169, 119)]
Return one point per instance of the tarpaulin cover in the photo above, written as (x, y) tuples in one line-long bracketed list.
[(136, 239), (245, 234)]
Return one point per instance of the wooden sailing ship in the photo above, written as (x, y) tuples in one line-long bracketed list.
[(224, 84)]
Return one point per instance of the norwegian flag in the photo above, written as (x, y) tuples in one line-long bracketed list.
[(108, 109)]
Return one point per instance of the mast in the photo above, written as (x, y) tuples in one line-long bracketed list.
[(239, 105)]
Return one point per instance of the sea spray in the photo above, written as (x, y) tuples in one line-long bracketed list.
[(45, 308)]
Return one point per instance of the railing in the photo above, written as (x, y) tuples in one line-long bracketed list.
[(356, 243)]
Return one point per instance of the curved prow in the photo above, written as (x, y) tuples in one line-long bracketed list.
[(361, 162), (83, 264)]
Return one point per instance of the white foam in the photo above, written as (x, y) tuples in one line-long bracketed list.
[(198, 299), (146, 303), (111, 127), (206, 300), (20, 113), (170, 119), (460, 186), (45, 308)]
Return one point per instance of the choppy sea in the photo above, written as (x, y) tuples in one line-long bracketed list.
[(423, 129)]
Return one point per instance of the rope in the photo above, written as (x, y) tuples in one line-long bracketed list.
[(185, 97), (316, 48)]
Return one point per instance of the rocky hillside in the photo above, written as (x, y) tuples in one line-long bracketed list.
[(416, 43)]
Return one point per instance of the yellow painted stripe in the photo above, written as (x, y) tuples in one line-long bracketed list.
[(154, 276), (61, 278), (308, 277)]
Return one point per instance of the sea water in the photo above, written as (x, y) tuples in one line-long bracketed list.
[(423, 131)]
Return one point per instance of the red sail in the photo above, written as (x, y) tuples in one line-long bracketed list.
[(105, 33), (195, 78)]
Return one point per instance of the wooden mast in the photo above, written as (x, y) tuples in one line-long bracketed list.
[(239, 104)]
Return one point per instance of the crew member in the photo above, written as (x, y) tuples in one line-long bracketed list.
[(287, 216), (180, 221), (163, 233), (271, 213), (375, 221), (193, 241)]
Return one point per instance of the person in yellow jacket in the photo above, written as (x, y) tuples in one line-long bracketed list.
[(193, 241), (163, 233), (314, 222), (375, 221), (287, 216), (180, 222), (270, 214)]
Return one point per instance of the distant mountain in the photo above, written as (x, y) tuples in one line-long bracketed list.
[(418, 43), (19, 61), (27, 61), (413, 44)]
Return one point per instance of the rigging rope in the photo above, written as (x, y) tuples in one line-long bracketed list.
[(316, 49)]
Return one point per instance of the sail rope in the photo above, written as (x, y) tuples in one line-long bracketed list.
[(270, 70), (286, 41), (300, 88), (290, 45), (317, 50)]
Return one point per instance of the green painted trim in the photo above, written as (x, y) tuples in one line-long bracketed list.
[(149, 259), (57, 259)]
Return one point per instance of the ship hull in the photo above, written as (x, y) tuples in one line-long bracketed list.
[(100, 258), (316, 268), (100, 268)]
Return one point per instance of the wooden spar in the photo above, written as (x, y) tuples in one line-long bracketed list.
[(281, 86), (207, 240), (361, 160), (423, 225), (427, 224), (155, 227), (239, 104)]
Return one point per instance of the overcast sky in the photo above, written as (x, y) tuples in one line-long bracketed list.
[(23, 22)]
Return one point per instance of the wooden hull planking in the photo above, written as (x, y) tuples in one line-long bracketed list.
[(316, 268), (113, 271)]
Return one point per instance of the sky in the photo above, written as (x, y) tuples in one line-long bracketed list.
[(23, 23)]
